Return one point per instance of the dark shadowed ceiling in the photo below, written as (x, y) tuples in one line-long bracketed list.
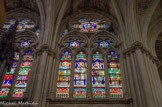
[(28, 4)]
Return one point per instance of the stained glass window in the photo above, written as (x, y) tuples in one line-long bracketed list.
[(37, 32), (6, 85), (23, 24), (80, 75), (22, 79), (98, 76), (115, 82), (89, 26), (64, 72)]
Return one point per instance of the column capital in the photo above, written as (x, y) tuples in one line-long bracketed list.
[(45, 48), (138, 45)]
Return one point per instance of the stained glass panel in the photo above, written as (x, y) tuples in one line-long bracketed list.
[(98, 76), (4, 92), (25, 43), (62, 92), (79, 83), (81, 56), (116, 93), (19, 92), (98, 93), (104, 44), (115, 82), (21, 84), (22, 25), (24, 71), (7, 81), (22, 79), (63, 82), (65, 65), (9, 76), (64, 72), (66, 56), (74, 44), (79, 93)]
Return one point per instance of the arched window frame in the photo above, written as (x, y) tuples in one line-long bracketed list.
[(23, 35), (91, 44)]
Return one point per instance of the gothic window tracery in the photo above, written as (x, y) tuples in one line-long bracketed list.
[(16, 79), (96, 67)]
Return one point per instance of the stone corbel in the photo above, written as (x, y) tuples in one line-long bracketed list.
[(45, 48)]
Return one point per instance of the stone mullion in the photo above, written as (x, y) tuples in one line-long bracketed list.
[(144, 80), (89, 74), (15, 76), (154, 85), (72, 76), (106, 76)]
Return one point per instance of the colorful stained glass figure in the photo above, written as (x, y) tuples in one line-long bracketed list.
[(74, 44), (116, 93), (63, 84), (37, 32), (79, 93), (98, 93), (80, 75), (19, 92), (115, 82), (104, 44), (24, 71), (98, 76), (14, 63), (62, 92), (97, 56), (64, 72), (4, 92), (22, 78), (16, 56), (26, 63), (25, 43), (80, 83), (65, 65), (63, 78), (22, 25), (98, 72), (28, 57), (98, 65), (21, 84), (7, 81), (66, 56), (92, 25), (81, 56)]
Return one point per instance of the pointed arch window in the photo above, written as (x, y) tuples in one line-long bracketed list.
[(80, 75), (115, 83), (64, 73), (96, 75)]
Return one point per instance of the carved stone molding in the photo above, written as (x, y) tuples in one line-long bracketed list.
[(45, 48), (138, 45)]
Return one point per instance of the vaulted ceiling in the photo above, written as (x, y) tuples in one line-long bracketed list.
[(27, 4)]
